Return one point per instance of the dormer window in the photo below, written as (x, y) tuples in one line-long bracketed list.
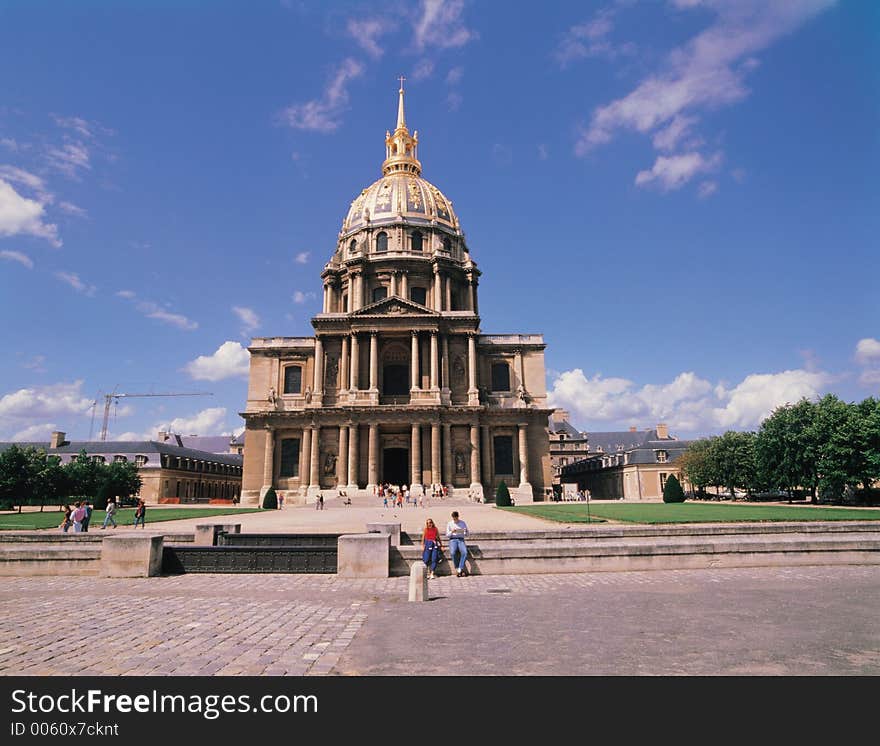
[(382, 242), (662, 457)]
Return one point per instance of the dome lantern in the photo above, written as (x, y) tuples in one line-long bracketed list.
[(401, 148)]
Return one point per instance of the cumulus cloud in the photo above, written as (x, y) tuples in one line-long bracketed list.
[(325, 114), (74, 280), (688, 403), (208, 421), (46, 405), (868, 355), (248, 317), (35, 432), (673, 172), (230, 360), (154, 311), (17, 256), (440, 24), (21, 215)]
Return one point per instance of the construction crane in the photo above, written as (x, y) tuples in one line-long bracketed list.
[(108, 398)]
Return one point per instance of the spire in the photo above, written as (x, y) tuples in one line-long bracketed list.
[(401, 120), (401, 148)]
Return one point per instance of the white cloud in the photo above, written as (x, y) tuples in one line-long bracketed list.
[(300, 297), (207, 422), (72, 209), (230, 360), (867, 350), (367, 32), (707, 189), (17, 256), (59, 402), (440, 25), (35, 364), (673, 172), (591, 40), (73, 279), (10, 144), (154, 311), (688, 403), (672, 134), (248, 317), (20, 215), (32, 182), (35, 432), (302, 257), (424, 69), (324, 114), (69, 158)]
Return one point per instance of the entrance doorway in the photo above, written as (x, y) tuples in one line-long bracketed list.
[(395, 469)]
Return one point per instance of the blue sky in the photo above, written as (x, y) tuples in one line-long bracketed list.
[(681, 195)]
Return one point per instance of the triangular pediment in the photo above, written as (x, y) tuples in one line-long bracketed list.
[(394, 306)]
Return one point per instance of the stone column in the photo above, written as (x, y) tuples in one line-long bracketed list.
[(434, 363), (344, 370), (475, 457), (373, 457), (374, 361), (472, 303), (314, 475), (447, 471), (524, 457), (353, 291), (414, 363), (447, 281), (435, 453), (355, 359), (393, 289), (318, 380), (416, 459), (487, 454), (444, 362), (326, 305), (473, 392), (362, 281), (475, 297), (305, 456), (268, 462), (404, 286), (352, 457), (342, 458), (520, 367), (438, 297)]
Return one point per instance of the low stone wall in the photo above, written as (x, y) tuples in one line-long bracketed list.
[(363, 555)]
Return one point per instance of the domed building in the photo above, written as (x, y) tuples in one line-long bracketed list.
[(398, 385)]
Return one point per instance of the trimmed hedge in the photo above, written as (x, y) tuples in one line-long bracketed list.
[(270, 500), (672, 491), (502, 496)]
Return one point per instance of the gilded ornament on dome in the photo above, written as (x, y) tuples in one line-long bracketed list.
[(414, 196), (442, 206), (383, 199)]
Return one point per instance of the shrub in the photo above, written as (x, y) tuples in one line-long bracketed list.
[(502, 495), (270, 500), (6, 504), (672, 491)]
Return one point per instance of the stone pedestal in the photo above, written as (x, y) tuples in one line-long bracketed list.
[(363, 555), (393, 529), (131, 556), (418, 582)]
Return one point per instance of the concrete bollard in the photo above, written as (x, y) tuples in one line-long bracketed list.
[(418, 582), (132, 556), (386, 528), (363, 555)]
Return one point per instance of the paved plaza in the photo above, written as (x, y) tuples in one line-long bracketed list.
[(764, 621)]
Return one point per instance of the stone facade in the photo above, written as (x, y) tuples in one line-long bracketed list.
[(398, 384)]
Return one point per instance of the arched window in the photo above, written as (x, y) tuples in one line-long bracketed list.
[(417, 241), (353, 246), (447, 244), (382, 241)]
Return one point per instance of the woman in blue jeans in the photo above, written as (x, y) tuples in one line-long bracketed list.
[(431, 547)]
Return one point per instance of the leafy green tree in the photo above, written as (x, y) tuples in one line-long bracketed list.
[(697, 466), (270, 499), (502, 495), (121, 479), (839, 461), (733, 455), (48, 480), (672, 491), (15, 481), (867, 442), (85, 475)]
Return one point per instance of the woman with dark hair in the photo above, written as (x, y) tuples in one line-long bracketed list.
[(431, 547)]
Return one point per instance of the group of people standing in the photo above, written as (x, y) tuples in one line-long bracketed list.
[(432, 547), (79, 516)]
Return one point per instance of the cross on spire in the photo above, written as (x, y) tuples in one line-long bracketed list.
[(401, 79)]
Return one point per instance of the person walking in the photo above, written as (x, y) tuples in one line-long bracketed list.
[(320, 501), (431, 547), (140, 514), (456, 531), (88, 516), (67, 521), (79, 512), (111, 513), (280, 500)]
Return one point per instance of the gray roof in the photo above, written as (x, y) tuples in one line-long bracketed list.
[(209, 443), (564, 427), (624, 440), (128, 447)]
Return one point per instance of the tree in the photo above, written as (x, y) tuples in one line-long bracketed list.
[(867, 441), (672, 491), (85, 475), (696, 465), (502, 495), (270, 500), (121, 479), (839, 461), (733, 455), (15, 476), (48, 480)]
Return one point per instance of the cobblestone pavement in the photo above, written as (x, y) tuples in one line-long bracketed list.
[(800, 620)]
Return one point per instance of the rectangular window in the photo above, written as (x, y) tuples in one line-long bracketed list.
[(293, 379), (379, 293), (418, 295), (663, 477), (500, 377), (503, 454), (289, 457)]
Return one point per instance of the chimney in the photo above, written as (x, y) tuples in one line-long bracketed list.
[(57, 439), (662, 431), (559, 415), (633, 429), (162, 436)]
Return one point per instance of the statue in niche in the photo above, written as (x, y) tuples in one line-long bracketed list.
[(332, 371), (271, 398), (521, 394), (458, 372), (308, 394), (330, 464), (459, 463)]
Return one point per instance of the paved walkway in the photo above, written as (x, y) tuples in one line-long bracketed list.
[(803, 620)]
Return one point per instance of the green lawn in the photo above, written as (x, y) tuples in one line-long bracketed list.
[(124, 517), (690, 512)]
